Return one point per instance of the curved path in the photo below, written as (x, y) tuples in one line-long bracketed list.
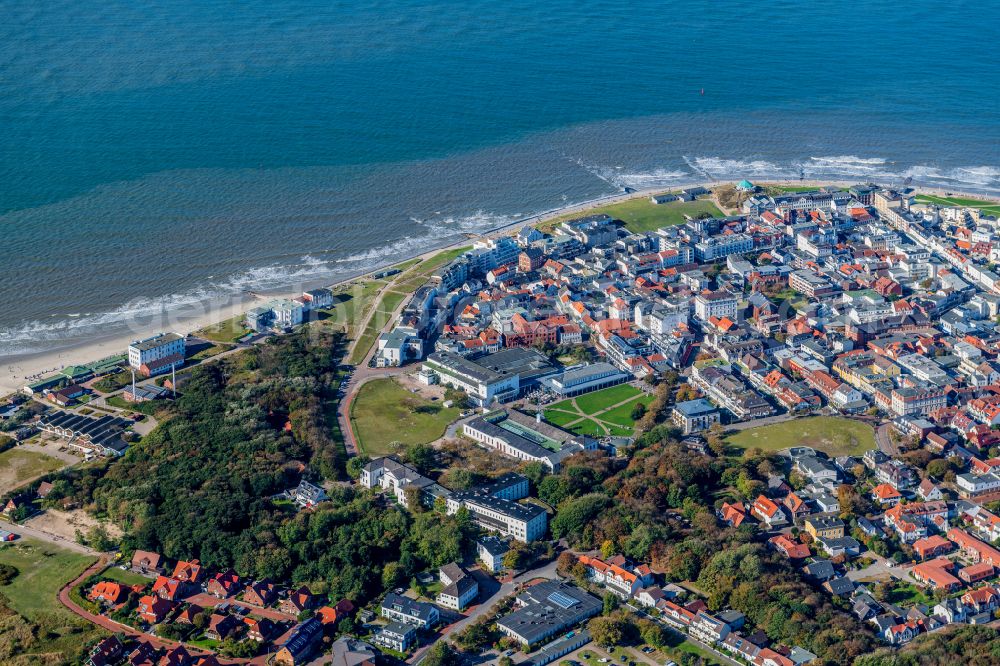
[(111, 626)]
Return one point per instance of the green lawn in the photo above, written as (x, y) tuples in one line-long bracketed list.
[(352, 303), (640, 214), (595, 414), (591, 403), (123, 576), (991, 207), (44, 569), (785, 189), (385, 412), (209, 352), (113, 382), (834, 435), (402, 286), (230, 330), (18, 466)]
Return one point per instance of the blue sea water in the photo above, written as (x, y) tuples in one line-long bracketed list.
[(155, 155)]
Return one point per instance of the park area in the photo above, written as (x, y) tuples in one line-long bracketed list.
[(19, 466), (833, 435), (384, 412), (640, 214), (47, 627), (988, 207), (599, 414)]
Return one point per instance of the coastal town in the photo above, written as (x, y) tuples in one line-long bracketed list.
[(735, 424)]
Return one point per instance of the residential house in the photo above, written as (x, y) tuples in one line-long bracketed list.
[(301, 644), (188, 572), (145, 562), (886, 495), (152, 609), (824, 527), (221, 627), (262, 593), (107, 652), (223, 585), (397, 636), (460, 588), (108, 592), (169, 589), (409, 611), (297, 601), (769, 513)]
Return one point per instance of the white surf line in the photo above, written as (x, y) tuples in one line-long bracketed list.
[(697, 169)]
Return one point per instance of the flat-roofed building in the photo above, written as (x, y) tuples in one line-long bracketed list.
[(547, 609), (158, 354), (482, 384), (694, 415)]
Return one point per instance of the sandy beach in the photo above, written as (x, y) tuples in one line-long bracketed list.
[(16, 371)]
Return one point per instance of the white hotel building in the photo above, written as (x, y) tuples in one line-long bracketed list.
[(158, 354)]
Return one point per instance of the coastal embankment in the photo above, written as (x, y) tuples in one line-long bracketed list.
[(16, 371)]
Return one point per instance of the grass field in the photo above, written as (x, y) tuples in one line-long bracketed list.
[(786, 189), (124, 577), (641, 214), (833, 435), (401, 287), (18, 466), (990, 207), (384, 412), (352, 303), (44, 569), (601, 413), (225, 331)]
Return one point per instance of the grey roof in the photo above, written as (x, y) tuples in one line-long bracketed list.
[(494, 545), (548, 608), (697, 407), (417, 609), (304, 637), (153, 343)]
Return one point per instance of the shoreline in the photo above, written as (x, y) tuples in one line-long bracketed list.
[(15, 369)]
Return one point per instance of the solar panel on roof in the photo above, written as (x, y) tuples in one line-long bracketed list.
[(562, 600)]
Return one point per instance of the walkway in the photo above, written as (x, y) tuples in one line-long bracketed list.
[(115, 627), (584, 416)]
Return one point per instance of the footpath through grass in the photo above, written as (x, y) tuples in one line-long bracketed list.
[(833, 435), (598, 414), (384, 412)]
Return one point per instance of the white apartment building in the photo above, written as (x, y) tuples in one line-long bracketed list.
[(157, 354), (715, 304)]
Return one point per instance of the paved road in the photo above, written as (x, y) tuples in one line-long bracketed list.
[(114, 627), (705, 646), (884, 441), (506, 589), (769, 420)]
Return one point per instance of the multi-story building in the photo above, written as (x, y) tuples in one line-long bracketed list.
[(524, 522), (715, 304), (714, 248), (482, 384), (912, 400), (158, 354), (694, 415), (410, 611)]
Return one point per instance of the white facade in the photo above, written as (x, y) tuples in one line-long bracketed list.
[(147, 352)]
